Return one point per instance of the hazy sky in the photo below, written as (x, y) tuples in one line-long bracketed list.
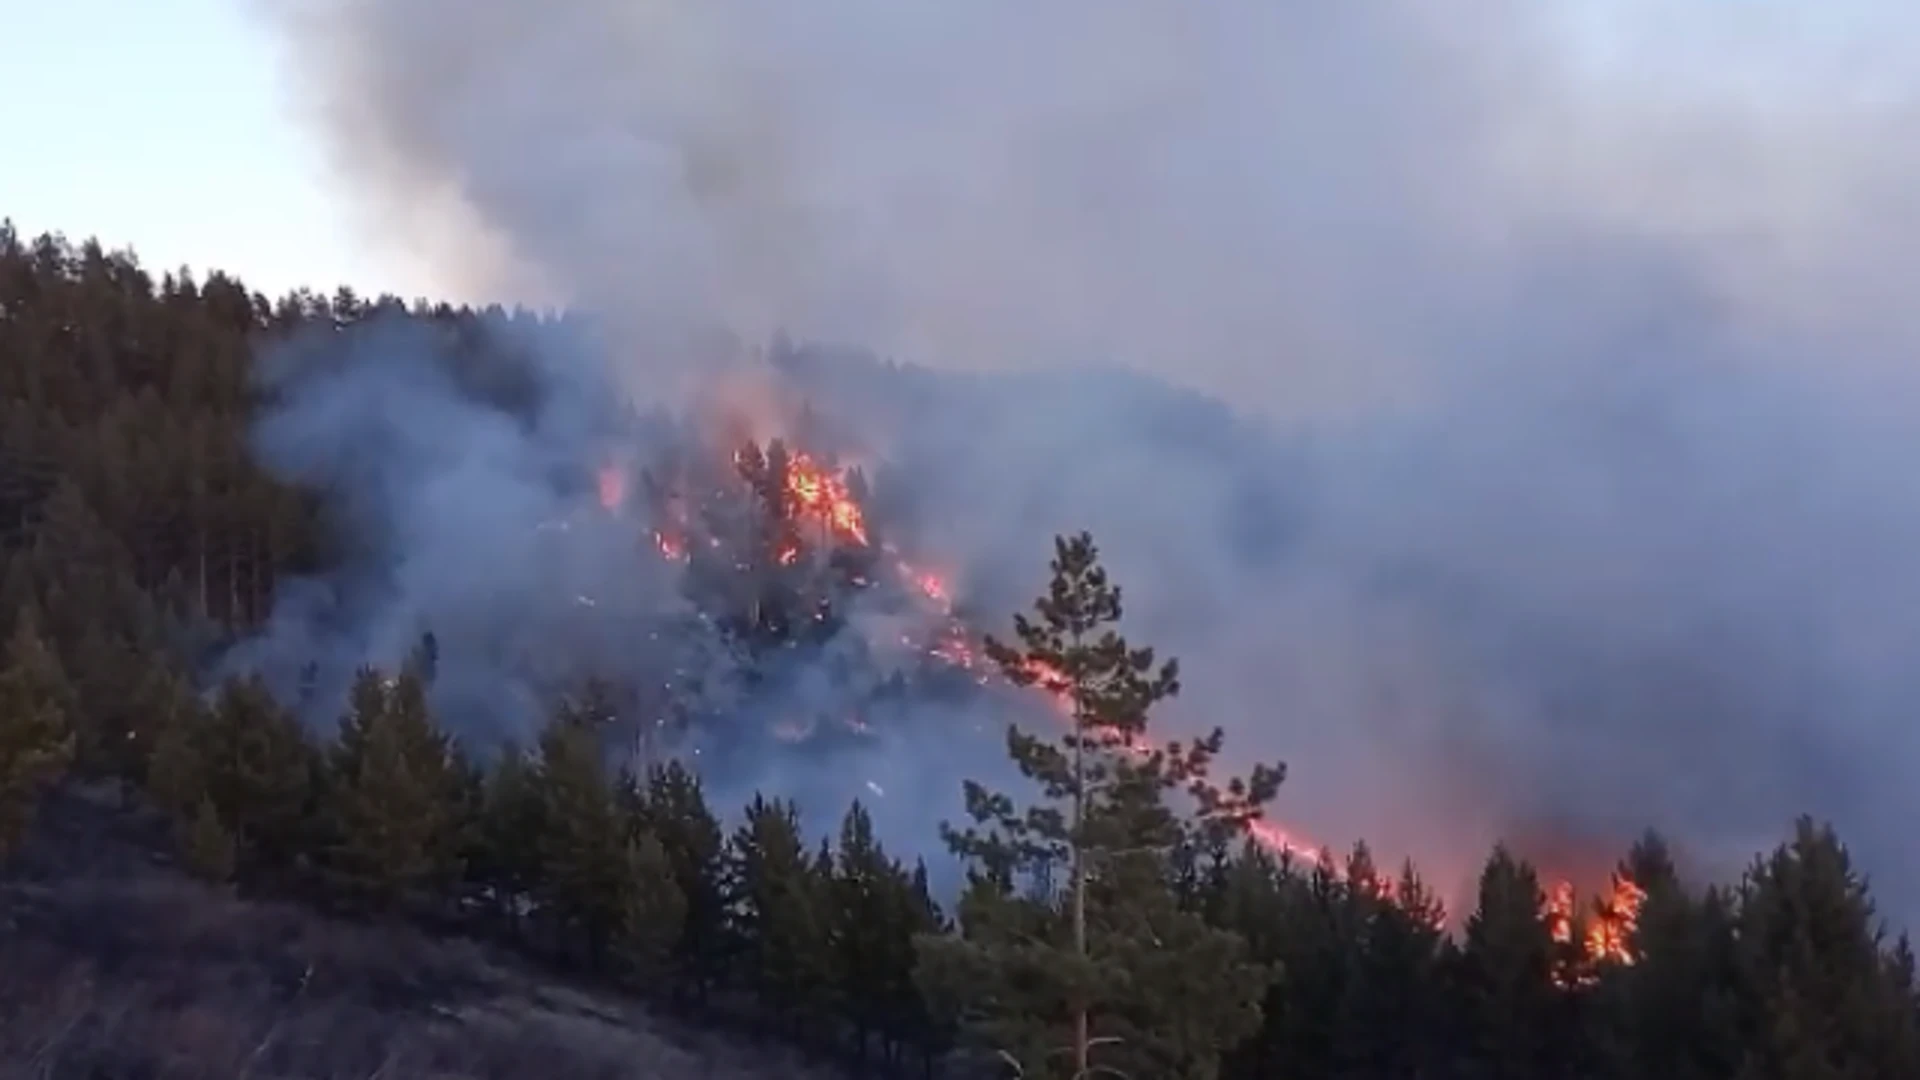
[(164, 124), (160, 124)]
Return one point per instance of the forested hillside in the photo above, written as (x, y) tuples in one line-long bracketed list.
[(1120, 908)]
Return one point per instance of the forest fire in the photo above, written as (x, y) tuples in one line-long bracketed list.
[(818, 517), (1602, 935), (1610, 935), (825, 495)]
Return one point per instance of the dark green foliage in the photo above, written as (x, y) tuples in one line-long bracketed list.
[(392, 794), (257, 765), (1672, 1013), (1506, 969), (244, 767), (581, 843), (1826, 999), (864, 901), (878, 907), (504, 857), (781, 904), (36, 734), (673, 807), (655, 910)]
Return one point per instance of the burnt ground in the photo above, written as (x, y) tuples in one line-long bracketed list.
[(115, 964)]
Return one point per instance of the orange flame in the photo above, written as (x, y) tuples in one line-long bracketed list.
[(1558, 912), (824, 494), (1607, 939), (1617, 916)]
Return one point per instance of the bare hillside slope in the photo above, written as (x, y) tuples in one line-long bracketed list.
[(114, 964)]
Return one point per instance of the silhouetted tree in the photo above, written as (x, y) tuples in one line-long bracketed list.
[(1512, 978)]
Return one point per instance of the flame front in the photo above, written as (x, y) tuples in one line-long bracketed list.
[(814, 492)]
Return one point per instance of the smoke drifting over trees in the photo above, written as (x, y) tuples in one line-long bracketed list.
[(1572, 498)]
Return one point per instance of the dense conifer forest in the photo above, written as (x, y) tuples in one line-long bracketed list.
[(1119, 916)]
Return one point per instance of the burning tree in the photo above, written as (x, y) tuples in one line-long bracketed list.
[(1111, 961), (774, 548), (773, 541)]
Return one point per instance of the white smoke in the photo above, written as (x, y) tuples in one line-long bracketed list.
[(1579, 327)]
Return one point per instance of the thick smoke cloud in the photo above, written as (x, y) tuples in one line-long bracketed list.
[(1577, 499), (463, 522)]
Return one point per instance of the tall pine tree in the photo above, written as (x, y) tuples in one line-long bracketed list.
[(1047, 974)]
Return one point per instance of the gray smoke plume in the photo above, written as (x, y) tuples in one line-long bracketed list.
[(1564, 487)]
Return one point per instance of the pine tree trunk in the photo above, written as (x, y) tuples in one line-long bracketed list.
[(1080, 1032)]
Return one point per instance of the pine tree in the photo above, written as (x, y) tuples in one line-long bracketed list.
[(676, 811), (1668, 1013), (1389, 935), (585, 876), (507, 857), (650, 927), (1822, 1000), (36, 736), (390, 794), (1313, 942), (914, 1021), (1111, 960), (781, 907), (466, 834), (1506, 971), (1253, 894), (868, 916), (1405, 952), (261, 771)]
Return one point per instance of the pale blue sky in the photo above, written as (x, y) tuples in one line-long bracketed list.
[(161, 125)]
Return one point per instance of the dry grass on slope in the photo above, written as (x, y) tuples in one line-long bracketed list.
[(115, 964)]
